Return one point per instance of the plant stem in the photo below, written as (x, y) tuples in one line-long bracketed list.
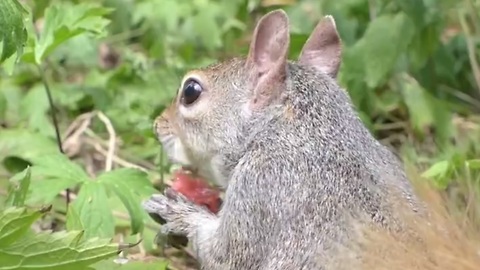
[(54, 119)]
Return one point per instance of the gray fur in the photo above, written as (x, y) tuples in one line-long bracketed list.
[(297, 172)]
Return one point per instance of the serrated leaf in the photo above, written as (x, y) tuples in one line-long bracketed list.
[(74, 223), (14, 222), (13, 34), (18, 189), (64, 21), (92, 208), (59, 250), (131, 186), (385, 39), (437, 170)]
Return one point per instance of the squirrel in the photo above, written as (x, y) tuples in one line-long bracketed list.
[(300, 169)]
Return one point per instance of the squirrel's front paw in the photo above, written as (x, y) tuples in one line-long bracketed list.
[(175, 209)]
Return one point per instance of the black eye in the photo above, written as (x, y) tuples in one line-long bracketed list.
[(191, 92)]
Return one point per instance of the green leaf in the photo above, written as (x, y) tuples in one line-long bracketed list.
[(14, 222), (73, 220), (55, 251), (58, 166), (438, 170), (384, 41), (92, 208), (18, 189), (63, 21), (25, 144), (416, 9), (9, 64), (131, 186), (13, 34), (34, 107), (419, 105), (204, 24), (44, 191), (54, 173), (473, 164), (424, 44), (444, 126), (136, 180)]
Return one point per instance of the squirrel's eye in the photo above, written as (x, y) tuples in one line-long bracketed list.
[(191, 92)]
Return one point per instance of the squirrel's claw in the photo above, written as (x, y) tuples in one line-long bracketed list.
[(175, 209), (168, 228), (156, 204)]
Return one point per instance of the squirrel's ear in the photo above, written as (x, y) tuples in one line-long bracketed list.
[(323, 49), (267, 57)]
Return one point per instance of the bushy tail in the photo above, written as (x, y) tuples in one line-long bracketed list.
[(445, 239)]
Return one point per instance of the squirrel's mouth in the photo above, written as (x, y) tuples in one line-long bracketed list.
[(176, 152), (188, 169)]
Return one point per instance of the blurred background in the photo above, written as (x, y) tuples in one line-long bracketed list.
[(411, 68)]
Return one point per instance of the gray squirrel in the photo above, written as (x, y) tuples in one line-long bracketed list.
[(284, 139)]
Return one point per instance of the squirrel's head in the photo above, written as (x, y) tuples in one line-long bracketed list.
[(215, 106)]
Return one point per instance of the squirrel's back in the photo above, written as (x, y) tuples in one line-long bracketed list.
[(312, 166)]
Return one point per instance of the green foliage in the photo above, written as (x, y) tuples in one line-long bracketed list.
[(74, 222), (22, 249), (14, 223), (443, 171), (130, 186), (18, 190), (65, 21), (91, 205), (379, 57), (12, 31), (55, 173)]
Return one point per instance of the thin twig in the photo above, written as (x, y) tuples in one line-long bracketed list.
[(96, 141), (111, 141), (142, 163), (52, 109), (76, 129), (83, 121), (98, 147)]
